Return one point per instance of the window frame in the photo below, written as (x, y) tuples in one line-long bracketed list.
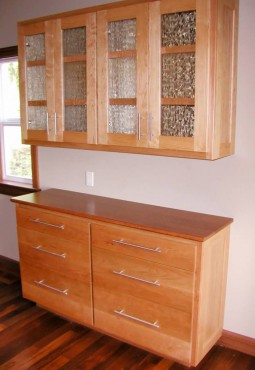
[(15, 188)]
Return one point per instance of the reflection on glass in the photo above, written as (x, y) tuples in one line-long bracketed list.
[(177, 120), (75, 80), (37, 118), (122, 35), (122, 78), (76, 118), (36, 84), (74, 41), (178, 75), (35, 47), (178, 29), (122, 119)]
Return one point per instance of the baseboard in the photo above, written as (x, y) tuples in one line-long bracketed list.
[(237, 342), (8, 264)]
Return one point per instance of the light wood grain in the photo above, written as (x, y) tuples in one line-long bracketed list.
[(158, 283), (175, 252)]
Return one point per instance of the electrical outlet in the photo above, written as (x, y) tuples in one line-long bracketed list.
[(89, 178)]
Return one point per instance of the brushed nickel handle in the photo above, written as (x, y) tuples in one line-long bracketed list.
[(39, 248), (139, 126), (121, 273), (38, 221), (157, 250), (150, 126), (55, 123), (47, 123), (41, 283), (122, 313)]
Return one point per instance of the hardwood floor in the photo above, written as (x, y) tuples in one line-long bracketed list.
[(32, 338)]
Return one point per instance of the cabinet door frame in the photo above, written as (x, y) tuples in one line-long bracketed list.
[(140, 13), (199, 141), (23, 31), (89, 21), (52, 29)]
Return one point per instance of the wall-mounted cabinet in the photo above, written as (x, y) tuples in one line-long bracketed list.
[(164, 73), (58, 79)]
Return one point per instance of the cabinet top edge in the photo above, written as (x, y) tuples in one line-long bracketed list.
[(90, 9), (168, 221)]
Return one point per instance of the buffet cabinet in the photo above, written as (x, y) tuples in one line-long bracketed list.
[(151, 276), (150, 77)]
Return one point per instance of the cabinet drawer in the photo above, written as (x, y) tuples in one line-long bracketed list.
[(60, 255), (58, 293), (52, 223), (167, 250), (139, 278), (149, 325)]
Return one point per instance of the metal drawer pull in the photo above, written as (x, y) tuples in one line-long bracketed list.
[(39, 248), (41, 283), (47, 224), (122, 313), (157, 250), (121, 273)]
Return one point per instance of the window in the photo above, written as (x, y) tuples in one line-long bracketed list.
[(16, 159)]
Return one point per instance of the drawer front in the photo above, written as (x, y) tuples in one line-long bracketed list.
[(176, 252), (52, 223), (65, 296), (55, 253), (153, 282), (152, 326)]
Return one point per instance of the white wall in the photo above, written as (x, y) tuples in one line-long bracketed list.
[(224, 187)]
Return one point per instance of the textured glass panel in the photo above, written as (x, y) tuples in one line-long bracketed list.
[(36, 84), (37, 118), (178, 75), (178, 28), (35, 47), (122, 35), (122, 119), (76, 118), (177, 120), (75, 80), (74, 41), (122, 78)]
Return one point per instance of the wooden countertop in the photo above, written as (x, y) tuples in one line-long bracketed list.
[(174, 222)]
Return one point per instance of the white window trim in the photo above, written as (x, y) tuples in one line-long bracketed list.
[(8, 122)]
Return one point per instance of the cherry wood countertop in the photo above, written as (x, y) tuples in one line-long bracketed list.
[(174, 222)]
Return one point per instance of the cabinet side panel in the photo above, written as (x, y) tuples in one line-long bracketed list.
[(212, 293), (202, 78), (226, 72)]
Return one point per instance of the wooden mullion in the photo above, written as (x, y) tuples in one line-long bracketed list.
[(121, 54), (37, 103), (123, 101), (34, 63), (75, 58), (75, 101), (178, 49), (178, 101)]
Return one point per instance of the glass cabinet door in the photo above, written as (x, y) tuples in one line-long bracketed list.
[(32, 53), (79, 68), (173, 73), (122, 75)]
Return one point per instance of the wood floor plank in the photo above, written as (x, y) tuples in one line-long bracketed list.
[(34, 339)]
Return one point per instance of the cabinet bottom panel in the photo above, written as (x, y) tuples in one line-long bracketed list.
[(62, 295)]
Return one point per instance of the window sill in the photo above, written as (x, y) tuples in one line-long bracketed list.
[(16, 188)]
